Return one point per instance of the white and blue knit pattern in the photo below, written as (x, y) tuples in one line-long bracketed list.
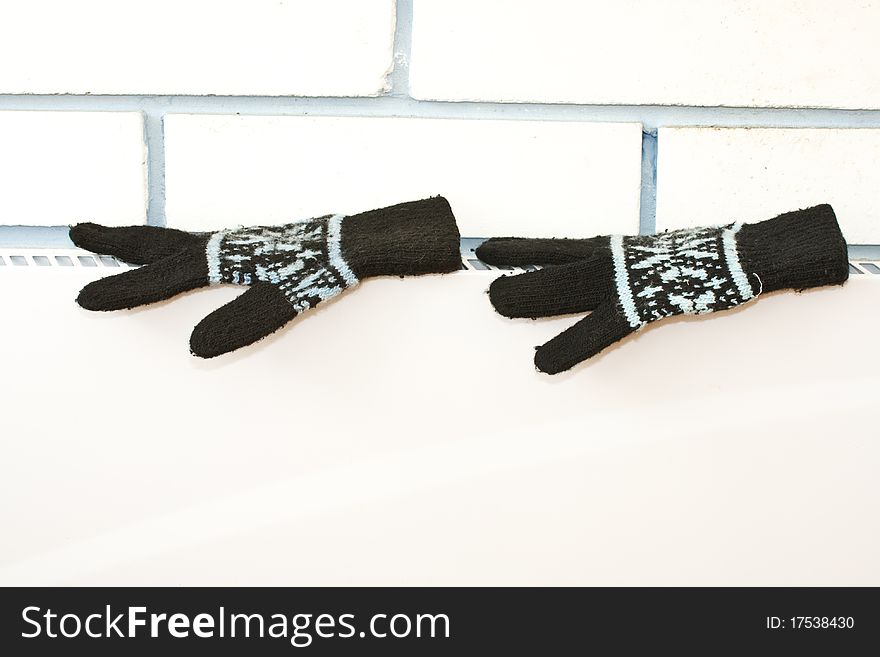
[(679, 272), (303, 259)]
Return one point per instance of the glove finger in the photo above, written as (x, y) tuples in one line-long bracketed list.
[(261, 310), (520, 251), (139, 245), (556, 290), (599, 330), (148, 284)]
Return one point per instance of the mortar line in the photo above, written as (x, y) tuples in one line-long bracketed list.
[(398, 78), (154, 141), (648, 189), (651, 117)]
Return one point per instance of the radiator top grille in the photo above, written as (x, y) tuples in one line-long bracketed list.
[(73, 258)]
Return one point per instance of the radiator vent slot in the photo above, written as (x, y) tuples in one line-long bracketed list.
[(73, 258), (864, 267), (60, 258)]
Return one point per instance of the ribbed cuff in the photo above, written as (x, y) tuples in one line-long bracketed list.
[(334, 250), (418, 237), (212, 254), (796, 250)]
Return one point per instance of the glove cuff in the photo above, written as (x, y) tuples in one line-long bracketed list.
[(796, 250), (418, 237)]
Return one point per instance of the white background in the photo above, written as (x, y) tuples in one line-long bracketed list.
[(401, 435)]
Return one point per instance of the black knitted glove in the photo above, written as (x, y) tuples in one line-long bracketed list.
[(628, 282), (289, 268)]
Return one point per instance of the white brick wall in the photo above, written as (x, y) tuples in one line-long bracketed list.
[(714, 176), (58, 168), (240, 47), (679, 52), (542, 171), (501, 177)]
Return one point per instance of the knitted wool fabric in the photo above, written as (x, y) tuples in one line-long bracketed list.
[(304, 260), (288, 268), (628, 282)]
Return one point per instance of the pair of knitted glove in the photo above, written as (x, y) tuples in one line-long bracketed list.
[(624, 282)]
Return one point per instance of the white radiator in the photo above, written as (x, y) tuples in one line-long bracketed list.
[(401, 435)]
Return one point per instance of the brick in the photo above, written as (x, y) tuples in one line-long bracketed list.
[(501, 177), (747, 53), (58, 168), (228, 47), (708, 176)]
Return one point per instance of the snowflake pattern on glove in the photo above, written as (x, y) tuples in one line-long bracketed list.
[(679, 272), (303, 259)]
